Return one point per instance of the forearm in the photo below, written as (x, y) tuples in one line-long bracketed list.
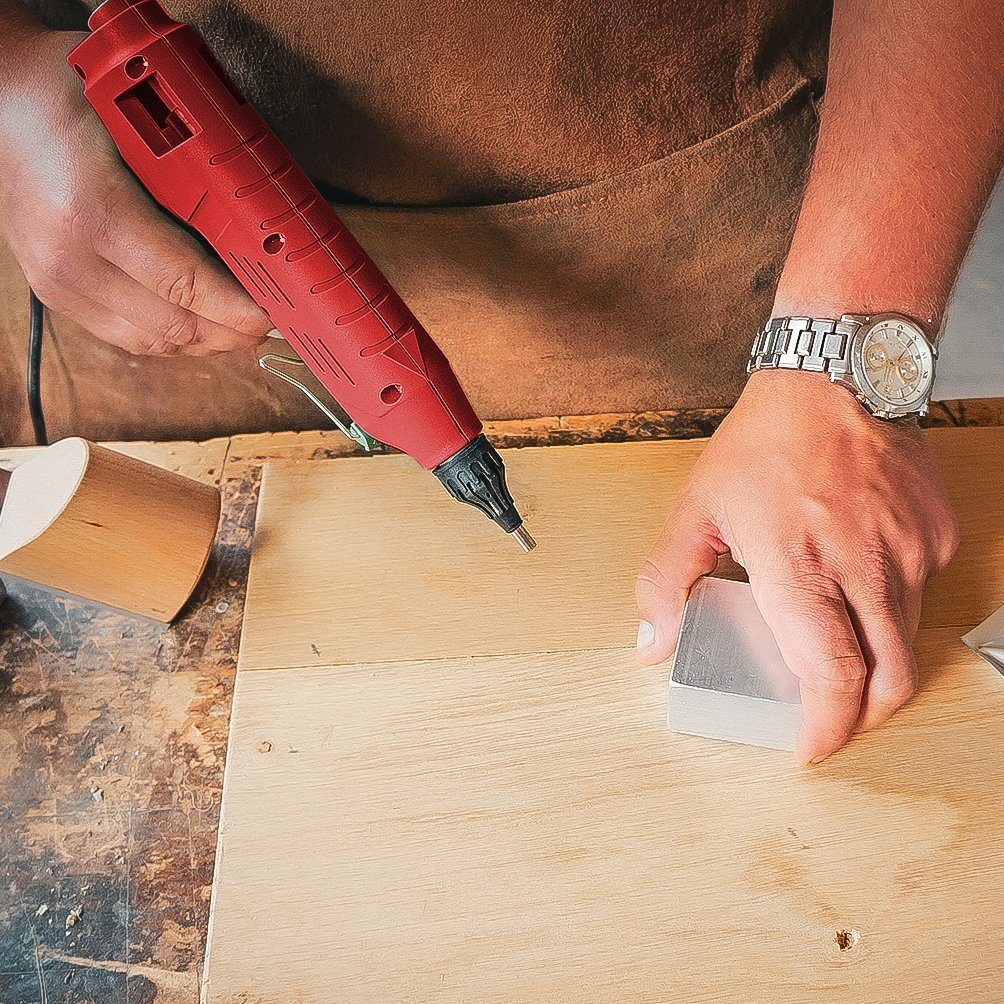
[(17, 26), (910, 145)]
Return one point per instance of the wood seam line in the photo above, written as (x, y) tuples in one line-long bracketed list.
[(441, 660)]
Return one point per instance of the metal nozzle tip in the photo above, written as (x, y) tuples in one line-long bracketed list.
[(523, 536)]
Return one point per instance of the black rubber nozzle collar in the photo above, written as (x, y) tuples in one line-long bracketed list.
[(475, 475)]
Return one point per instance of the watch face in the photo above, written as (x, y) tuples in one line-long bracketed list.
[(893, 363)]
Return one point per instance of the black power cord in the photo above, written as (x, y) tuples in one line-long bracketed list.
[(36, 310)]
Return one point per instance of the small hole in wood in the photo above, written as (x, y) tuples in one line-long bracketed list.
[(847, 939)]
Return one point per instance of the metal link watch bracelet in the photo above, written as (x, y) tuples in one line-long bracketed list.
[(886, 360)]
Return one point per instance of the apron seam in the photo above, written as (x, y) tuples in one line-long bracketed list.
[(542, 207)]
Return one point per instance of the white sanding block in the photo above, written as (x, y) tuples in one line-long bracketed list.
[(728, 679)]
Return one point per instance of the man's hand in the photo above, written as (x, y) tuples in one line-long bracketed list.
[(92, 244), (839, 519)]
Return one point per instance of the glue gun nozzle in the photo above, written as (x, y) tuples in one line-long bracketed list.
[(475, 475), (524, 538)]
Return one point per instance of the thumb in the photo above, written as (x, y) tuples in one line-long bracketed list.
[(687, 548)]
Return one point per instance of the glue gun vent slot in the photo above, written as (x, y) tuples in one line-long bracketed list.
[(155, 114)]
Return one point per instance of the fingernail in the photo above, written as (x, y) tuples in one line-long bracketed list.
[(646, 635), (818, 759), (274, 333)]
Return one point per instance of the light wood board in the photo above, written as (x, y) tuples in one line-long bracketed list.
[(471, 802), (368, 560)]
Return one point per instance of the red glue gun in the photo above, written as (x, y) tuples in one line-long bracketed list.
[(207, 157)]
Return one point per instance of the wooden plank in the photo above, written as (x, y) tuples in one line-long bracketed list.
[(447, 778), (525, 828), (201, 461), (369, 560)]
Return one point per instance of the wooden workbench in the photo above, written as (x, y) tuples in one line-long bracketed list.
[(113, 732)]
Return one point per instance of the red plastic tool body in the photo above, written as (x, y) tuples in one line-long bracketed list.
[(206, 156)]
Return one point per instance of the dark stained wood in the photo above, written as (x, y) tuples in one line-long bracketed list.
[(113, 738)]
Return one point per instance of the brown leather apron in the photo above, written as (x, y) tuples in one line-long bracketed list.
[(634, 226)]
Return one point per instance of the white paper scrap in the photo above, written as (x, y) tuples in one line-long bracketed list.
[(987, 639)]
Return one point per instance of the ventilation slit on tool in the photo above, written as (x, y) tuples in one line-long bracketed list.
[(155, 114)]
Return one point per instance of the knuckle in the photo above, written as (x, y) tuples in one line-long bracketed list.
[(95, 203), (803, 563), (181, 288), (652, 574), (949, 539), (915, 565), (86, 217), (180, 330), (816, 587), (879, 574), (816, 509), (56, 266), (842, 672), (97, 230), (77, 211), (894, 693)]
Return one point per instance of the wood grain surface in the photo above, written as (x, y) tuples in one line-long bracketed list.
[(91, 698), (475, 797), (362, 560), (96, 523), (113, 732)]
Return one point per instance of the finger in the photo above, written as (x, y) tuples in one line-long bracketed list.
[(106, 324), (687, 548), (892, 668), (814, 634), (170, 328), (172, 264)]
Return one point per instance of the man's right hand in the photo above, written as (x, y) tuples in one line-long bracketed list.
[(92, 244)]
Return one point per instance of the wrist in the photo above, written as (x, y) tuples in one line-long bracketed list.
[(886, 360), (811, 399), (830, 300), (809, 391)]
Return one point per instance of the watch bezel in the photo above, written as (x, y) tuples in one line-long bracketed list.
[(880, 406)]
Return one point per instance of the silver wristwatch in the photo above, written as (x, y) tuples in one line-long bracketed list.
[(885, 360)]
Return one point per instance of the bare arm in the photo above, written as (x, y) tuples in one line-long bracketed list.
[(910, 145), (838, 518)]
